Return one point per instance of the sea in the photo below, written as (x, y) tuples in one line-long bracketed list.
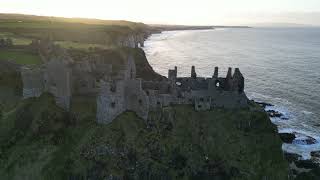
[(281, 66)]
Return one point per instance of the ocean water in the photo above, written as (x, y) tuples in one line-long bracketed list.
[(281, 66)]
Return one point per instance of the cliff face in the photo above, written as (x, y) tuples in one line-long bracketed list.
[(144, 69), (40, 141)]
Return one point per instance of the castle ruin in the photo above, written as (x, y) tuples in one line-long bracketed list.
[(117, 91)]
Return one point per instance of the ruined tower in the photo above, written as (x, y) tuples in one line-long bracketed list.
[(172, 73), (238, 81), (193, 72), (228, 82), (216, 72)]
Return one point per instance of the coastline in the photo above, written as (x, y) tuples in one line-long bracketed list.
[(303, 145), (161, 28)]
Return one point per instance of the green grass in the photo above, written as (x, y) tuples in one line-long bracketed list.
[(16, 20), (20, 57), (5, 34), (83, 46), (21, 41), (238, 144), (88, 32)]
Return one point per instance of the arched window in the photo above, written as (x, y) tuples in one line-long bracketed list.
[(113, 104), (217, 83), (140, 102)]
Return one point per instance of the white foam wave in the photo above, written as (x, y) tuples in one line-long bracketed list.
[(307, 112), (299, 145)]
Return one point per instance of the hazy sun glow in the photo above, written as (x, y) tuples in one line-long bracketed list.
[(175, 11)]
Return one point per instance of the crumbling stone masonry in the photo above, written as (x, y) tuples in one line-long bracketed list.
[(54, 76), (121, 91), (143, 96)]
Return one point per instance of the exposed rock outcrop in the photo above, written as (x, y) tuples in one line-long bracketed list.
[(287, 137)]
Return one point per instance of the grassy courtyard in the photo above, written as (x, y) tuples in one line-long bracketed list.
[(20, 57)]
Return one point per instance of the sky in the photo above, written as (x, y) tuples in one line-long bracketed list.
[(188, 12)]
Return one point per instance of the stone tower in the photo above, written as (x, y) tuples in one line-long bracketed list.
[(238, 81), (193, 72), (228, 82), (172, 74), (216, 72)]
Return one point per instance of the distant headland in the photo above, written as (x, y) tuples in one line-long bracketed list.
[(159, 27)]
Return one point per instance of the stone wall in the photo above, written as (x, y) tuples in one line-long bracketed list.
[(86, 76), (118, 96), (122, 91), (136, 99), (110, 101), (54, 76), (33, 82), (58, 76)]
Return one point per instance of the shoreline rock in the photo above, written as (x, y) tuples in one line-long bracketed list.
[(308, 141), (292, 157), (287, 137), (263, 104), (273, 113), (307, 164), (315, 154)]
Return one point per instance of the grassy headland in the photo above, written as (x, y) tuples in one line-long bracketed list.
[(41, 141), (72, 31)]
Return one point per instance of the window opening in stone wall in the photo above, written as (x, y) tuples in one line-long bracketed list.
[(217, 83)]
